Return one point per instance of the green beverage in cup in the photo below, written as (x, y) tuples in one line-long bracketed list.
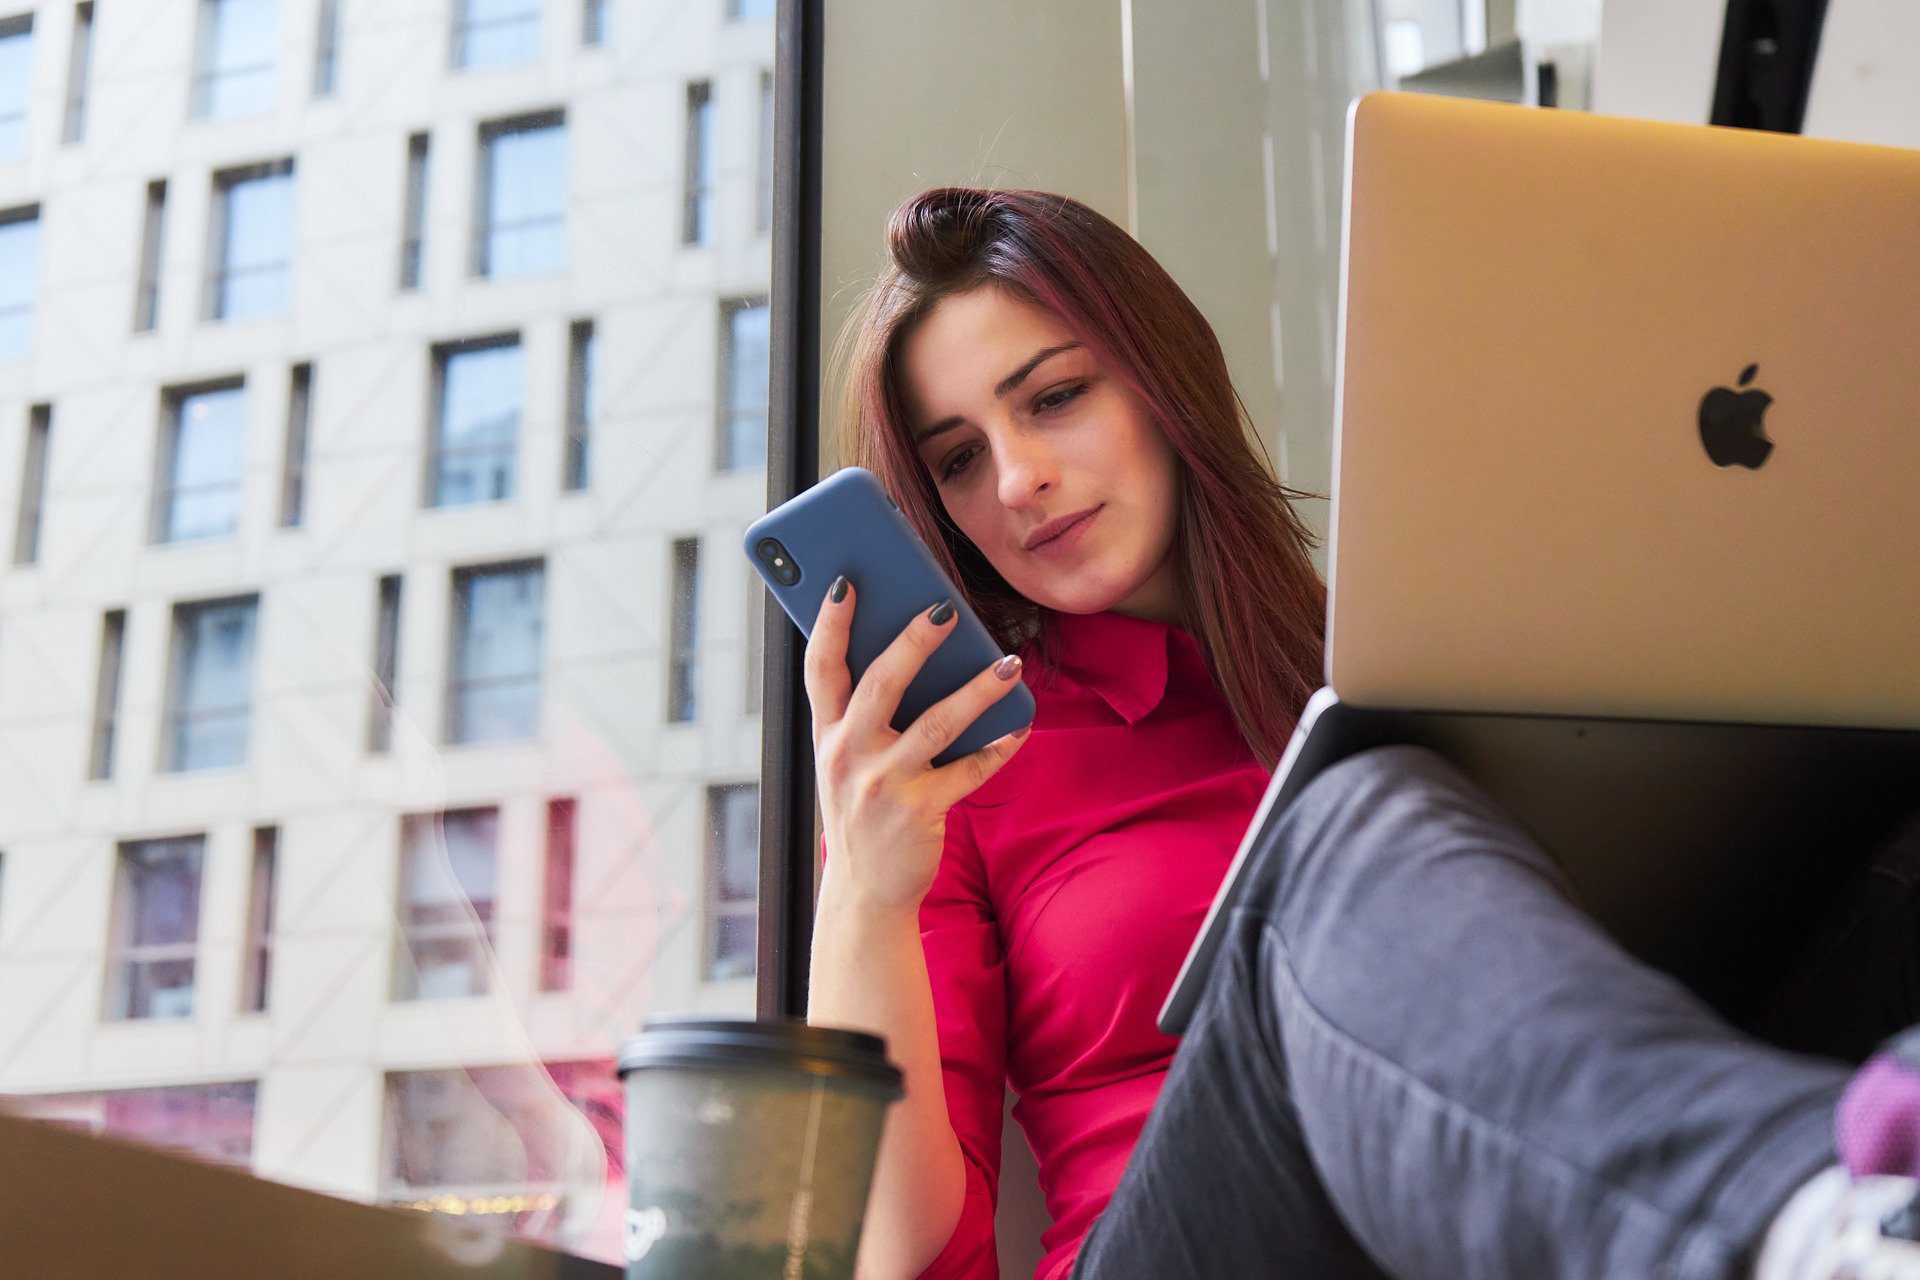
[(750, 1147)]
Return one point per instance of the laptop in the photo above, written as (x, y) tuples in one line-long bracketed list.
[(1622, 509), (81, 1207)]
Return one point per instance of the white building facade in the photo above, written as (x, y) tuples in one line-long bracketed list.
[(382, 401)]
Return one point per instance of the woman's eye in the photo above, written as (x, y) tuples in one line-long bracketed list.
[(958, 462), (1060, 397)]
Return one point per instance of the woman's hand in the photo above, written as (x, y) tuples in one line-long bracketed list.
[(883, 803)]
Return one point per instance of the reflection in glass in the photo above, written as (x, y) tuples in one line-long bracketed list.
[(146, 300), (200, 490), (494, 695), (448, 865), (156, 929), (696, 218), (33, 485), (211, 1121), (523, 197), (581, 408), (210, 702), (233, 72), (683, 631)]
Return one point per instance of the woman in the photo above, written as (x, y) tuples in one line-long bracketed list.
[(1415, 1055)]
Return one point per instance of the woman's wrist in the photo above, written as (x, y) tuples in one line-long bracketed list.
[(843, 900)]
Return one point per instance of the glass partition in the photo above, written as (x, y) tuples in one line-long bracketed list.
[(379, 686)]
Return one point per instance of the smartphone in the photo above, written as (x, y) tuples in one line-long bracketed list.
[(848, 525)]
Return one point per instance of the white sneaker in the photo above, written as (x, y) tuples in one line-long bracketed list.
[(1838, 1227)]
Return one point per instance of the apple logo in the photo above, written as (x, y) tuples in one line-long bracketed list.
[(1730, 424)]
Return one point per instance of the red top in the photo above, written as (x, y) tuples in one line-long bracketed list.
[(1071, 886)]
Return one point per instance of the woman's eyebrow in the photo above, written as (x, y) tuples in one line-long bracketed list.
[(1006, 387)]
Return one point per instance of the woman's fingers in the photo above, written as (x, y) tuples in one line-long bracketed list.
[(958, 779), (828, 681), (877, 697), (943, 722)]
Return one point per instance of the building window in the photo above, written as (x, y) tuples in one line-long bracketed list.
[(744, 354), (500, 1142), (146, 298), (201, 457), (696, 216), (763, 170), (386, 664), (476, 426), (210, 690), (593, 22), (522, 196), (413, 236), (447, 869), (326, 50), (19, 267), (250, 241), (156, 928), (33, 485), (495, 33), (16, 66), (106, 693), (259, 939), (683, 631), (233, 67), (556, 898), (211, 1121), (79, 73), (293, 464), (581, 353), (733, 880), (749, 10), (494, 694)]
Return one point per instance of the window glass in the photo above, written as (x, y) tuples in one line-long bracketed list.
[(238, 40), (16, 69), (200, 493), (478, 424), (733, 870), (523, 199), (493, 33), (253, 243), (380, 393), (19, 268), (211, 704), (156, 929), (497, 627), (743, 364)]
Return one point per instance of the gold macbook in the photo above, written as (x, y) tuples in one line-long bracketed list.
[(1629, 420)]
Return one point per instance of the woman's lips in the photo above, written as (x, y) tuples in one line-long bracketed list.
[(1068, 538)]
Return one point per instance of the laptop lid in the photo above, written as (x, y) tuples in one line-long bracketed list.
[(1626, 420)]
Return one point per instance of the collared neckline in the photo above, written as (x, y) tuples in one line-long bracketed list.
[(1121, 658)]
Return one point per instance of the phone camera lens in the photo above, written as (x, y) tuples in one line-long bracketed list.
[(778, 562)]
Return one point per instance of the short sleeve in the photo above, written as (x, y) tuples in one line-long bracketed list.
[(967, 971)]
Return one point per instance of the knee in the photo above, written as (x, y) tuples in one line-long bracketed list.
[(1371, 816)]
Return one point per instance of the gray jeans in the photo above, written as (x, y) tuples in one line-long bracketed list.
[(1418, 1057)]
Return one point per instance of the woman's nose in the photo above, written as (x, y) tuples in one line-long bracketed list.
[(1027, 471)]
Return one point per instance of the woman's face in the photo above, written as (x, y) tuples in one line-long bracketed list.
[(1046, 461)]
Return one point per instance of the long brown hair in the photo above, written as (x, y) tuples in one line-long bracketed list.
[(1249, 590)]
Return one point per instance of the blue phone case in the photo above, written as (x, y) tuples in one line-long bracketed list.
[(847, 524)]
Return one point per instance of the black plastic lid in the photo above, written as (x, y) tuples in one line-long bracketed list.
[(790, 1044)]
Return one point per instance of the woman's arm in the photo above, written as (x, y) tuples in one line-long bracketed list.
[(870, 973)]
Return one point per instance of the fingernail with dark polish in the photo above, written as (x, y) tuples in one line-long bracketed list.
[(1008, 667), (939, 614), (838, 591)]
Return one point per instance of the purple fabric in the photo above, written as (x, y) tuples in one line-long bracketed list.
[(1877, 1125)]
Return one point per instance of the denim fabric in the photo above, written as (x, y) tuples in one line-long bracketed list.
[(1418, 1057)]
